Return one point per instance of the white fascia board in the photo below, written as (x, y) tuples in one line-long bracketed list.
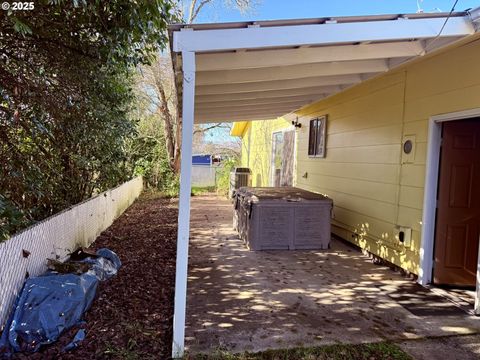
[(319, 34), (282, 57)]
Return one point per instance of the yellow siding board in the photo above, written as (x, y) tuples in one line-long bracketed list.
[(411, 197), (384, 111), (366, 189), (451, 101), (410, 217), (415, 246), (382, 116), (372, 208), (427, 78), (381, 154), (390, 134), (362, 223), (381, 173), (413, 175), (396, 255), (418, 128)]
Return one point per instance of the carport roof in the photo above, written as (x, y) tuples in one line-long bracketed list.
[(264, 69)]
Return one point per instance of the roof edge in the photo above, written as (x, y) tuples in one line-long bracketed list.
[(238, 128)]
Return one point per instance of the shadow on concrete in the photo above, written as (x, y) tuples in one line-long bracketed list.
[(242, 300)]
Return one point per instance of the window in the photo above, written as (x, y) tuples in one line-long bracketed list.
[(316, 139)]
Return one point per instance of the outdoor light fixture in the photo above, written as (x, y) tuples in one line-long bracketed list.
[(296, 123)]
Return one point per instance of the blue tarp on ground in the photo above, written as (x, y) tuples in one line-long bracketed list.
[(52, 303)]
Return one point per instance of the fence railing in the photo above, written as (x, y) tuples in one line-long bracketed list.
[(26, 253), (204, 175)]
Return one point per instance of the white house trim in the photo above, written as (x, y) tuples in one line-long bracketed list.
[(430, 195), (325, 34), (188, 103)]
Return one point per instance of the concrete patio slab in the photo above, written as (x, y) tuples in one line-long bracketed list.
[(242, 300)]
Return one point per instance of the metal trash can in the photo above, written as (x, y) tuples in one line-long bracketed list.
[(239, 177)]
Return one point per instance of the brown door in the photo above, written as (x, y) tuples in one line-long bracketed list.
[(458, 213), (288, 158)]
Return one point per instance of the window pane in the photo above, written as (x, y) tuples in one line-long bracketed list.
[(312, 137), (320, 137)]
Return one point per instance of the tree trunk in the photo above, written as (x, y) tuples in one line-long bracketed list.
[(170, 136), (178, 145)]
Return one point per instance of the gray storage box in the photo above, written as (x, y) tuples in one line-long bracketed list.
[(282, 218)]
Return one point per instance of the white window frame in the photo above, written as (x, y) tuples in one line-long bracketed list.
[(323, 118)]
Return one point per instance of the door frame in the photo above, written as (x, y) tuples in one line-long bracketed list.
[(430, 195), (272, 154)]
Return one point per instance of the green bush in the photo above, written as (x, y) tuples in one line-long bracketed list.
[(66, 100), (223, 179)]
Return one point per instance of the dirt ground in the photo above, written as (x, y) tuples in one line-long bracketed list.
[(131, 318)]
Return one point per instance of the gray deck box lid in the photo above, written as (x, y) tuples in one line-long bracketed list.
[(289, 194)]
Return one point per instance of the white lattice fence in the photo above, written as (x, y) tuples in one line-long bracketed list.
[(57, 236)]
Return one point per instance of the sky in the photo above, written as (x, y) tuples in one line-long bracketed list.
[(289, 9)]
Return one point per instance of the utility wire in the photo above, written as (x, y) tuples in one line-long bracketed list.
[(443, 26)]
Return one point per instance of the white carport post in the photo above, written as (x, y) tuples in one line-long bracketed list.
[(188, 66)]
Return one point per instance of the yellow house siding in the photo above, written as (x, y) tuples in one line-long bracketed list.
[(361, 170), (257, 148), (375, 187), (244, 156), (372, 185)]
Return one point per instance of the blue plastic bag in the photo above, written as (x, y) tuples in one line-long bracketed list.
[(52, 303)]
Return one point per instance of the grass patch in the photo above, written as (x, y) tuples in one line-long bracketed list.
[(202, 190), (374, 351)]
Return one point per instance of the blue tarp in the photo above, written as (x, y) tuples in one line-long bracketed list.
[(52, 303)]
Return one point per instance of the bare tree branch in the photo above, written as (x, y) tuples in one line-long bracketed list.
[(194, 12), (199, 130)]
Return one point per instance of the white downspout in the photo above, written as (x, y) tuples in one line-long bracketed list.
[(188, 66)]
